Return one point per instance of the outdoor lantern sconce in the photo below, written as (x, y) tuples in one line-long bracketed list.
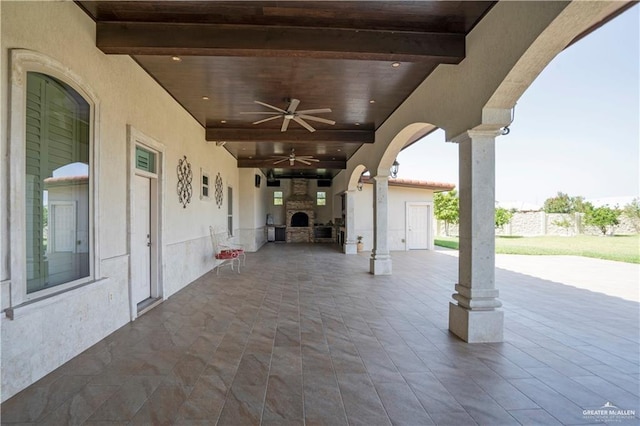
[(394, 169), (359, 185)]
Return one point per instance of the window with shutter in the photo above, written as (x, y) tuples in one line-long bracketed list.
[(57, 183)]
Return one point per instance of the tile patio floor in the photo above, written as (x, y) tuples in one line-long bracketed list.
[(305, 335)]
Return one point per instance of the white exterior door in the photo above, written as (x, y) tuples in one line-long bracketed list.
[(63, 227), (141, 240), (418, 219)]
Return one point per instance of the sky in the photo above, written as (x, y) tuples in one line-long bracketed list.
[(576, 128)]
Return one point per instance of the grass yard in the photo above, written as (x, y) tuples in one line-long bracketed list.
[(623, 248)]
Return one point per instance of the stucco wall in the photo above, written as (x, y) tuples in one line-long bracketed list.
[(398, 199), (252, 231), (49, 332)]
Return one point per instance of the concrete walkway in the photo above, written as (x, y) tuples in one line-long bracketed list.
[(617, 279)]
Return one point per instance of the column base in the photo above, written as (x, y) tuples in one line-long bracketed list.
[(380, 266), (476, 326), (350, 248)]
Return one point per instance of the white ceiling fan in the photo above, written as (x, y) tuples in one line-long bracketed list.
[(292, 114), (292, 158)]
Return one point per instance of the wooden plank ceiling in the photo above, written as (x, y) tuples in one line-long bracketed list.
[(361, 59)]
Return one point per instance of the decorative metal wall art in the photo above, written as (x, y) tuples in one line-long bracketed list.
[(219, 192), (185, 176)]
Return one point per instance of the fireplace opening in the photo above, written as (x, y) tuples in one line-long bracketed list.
[(300, 219)]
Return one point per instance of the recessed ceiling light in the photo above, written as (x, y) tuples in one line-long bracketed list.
[(244, 149), (357, 124), (395, 64), (339, 150), (223, 121), (205, 98), (176, 58), (372, 101), (250, 157)]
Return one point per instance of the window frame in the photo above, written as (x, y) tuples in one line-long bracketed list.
[(22, 62), (323, 198), (204, 174), (281, 198)]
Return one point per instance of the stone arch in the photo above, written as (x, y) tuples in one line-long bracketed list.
[(407, 135), (352, 184)]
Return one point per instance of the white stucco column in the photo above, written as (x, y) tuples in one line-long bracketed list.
[(350, 225), (380, 262), (474, 316)]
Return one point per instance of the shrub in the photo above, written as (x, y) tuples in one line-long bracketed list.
[(602, 218), (632, 211), (503, 216)]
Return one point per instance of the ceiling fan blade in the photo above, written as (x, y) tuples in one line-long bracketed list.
[(281, 161), (293, 105), (304, 124), (308, 158), (266, 119), (312, 118), (314, 111), (285, 124), (303, 161), (258, 112), (271, 106)]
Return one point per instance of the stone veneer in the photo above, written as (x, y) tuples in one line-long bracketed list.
[(300, 201)]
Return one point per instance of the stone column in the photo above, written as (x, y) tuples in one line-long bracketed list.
[(475, 317), (380, 262), (350, 225)]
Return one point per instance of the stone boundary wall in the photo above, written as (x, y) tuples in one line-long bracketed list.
[(529, 224)]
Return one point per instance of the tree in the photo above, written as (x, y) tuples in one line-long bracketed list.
[(446, 208), (580, 205), (602, 217), (502, 217), (632, 211), (561, 203)]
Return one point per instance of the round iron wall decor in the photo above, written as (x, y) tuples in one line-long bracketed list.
[(219, 192), (185, 176)]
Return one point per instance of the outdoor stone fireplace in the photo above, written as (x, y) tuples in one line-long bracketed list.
[(299, 220), (300, 213)]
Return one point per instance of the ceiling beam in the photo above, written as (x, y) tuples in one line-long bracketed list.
[(268, 163), (189, 39), (214, 134)]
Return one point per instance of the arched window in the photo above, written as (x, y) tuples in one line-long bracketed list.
[(57, 176)]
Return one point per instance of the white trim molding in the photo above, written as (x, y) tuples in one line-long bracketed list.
[(138, 138)]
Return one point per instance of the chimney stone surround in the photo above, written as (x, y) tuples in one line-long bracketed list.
[(300, 202)]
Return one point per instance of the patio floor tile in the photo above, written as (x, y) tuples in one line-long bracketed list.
[(306, 336)]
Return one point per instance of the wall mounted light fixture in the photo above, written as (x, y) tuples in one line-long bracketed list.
[(394, 169)]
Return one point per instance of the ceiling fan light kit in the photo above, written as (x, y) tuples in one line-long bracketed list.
[(292, 158), (291, 113)]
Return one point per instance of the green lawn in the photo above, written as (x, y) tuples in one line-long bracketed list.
[(623, 248)]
